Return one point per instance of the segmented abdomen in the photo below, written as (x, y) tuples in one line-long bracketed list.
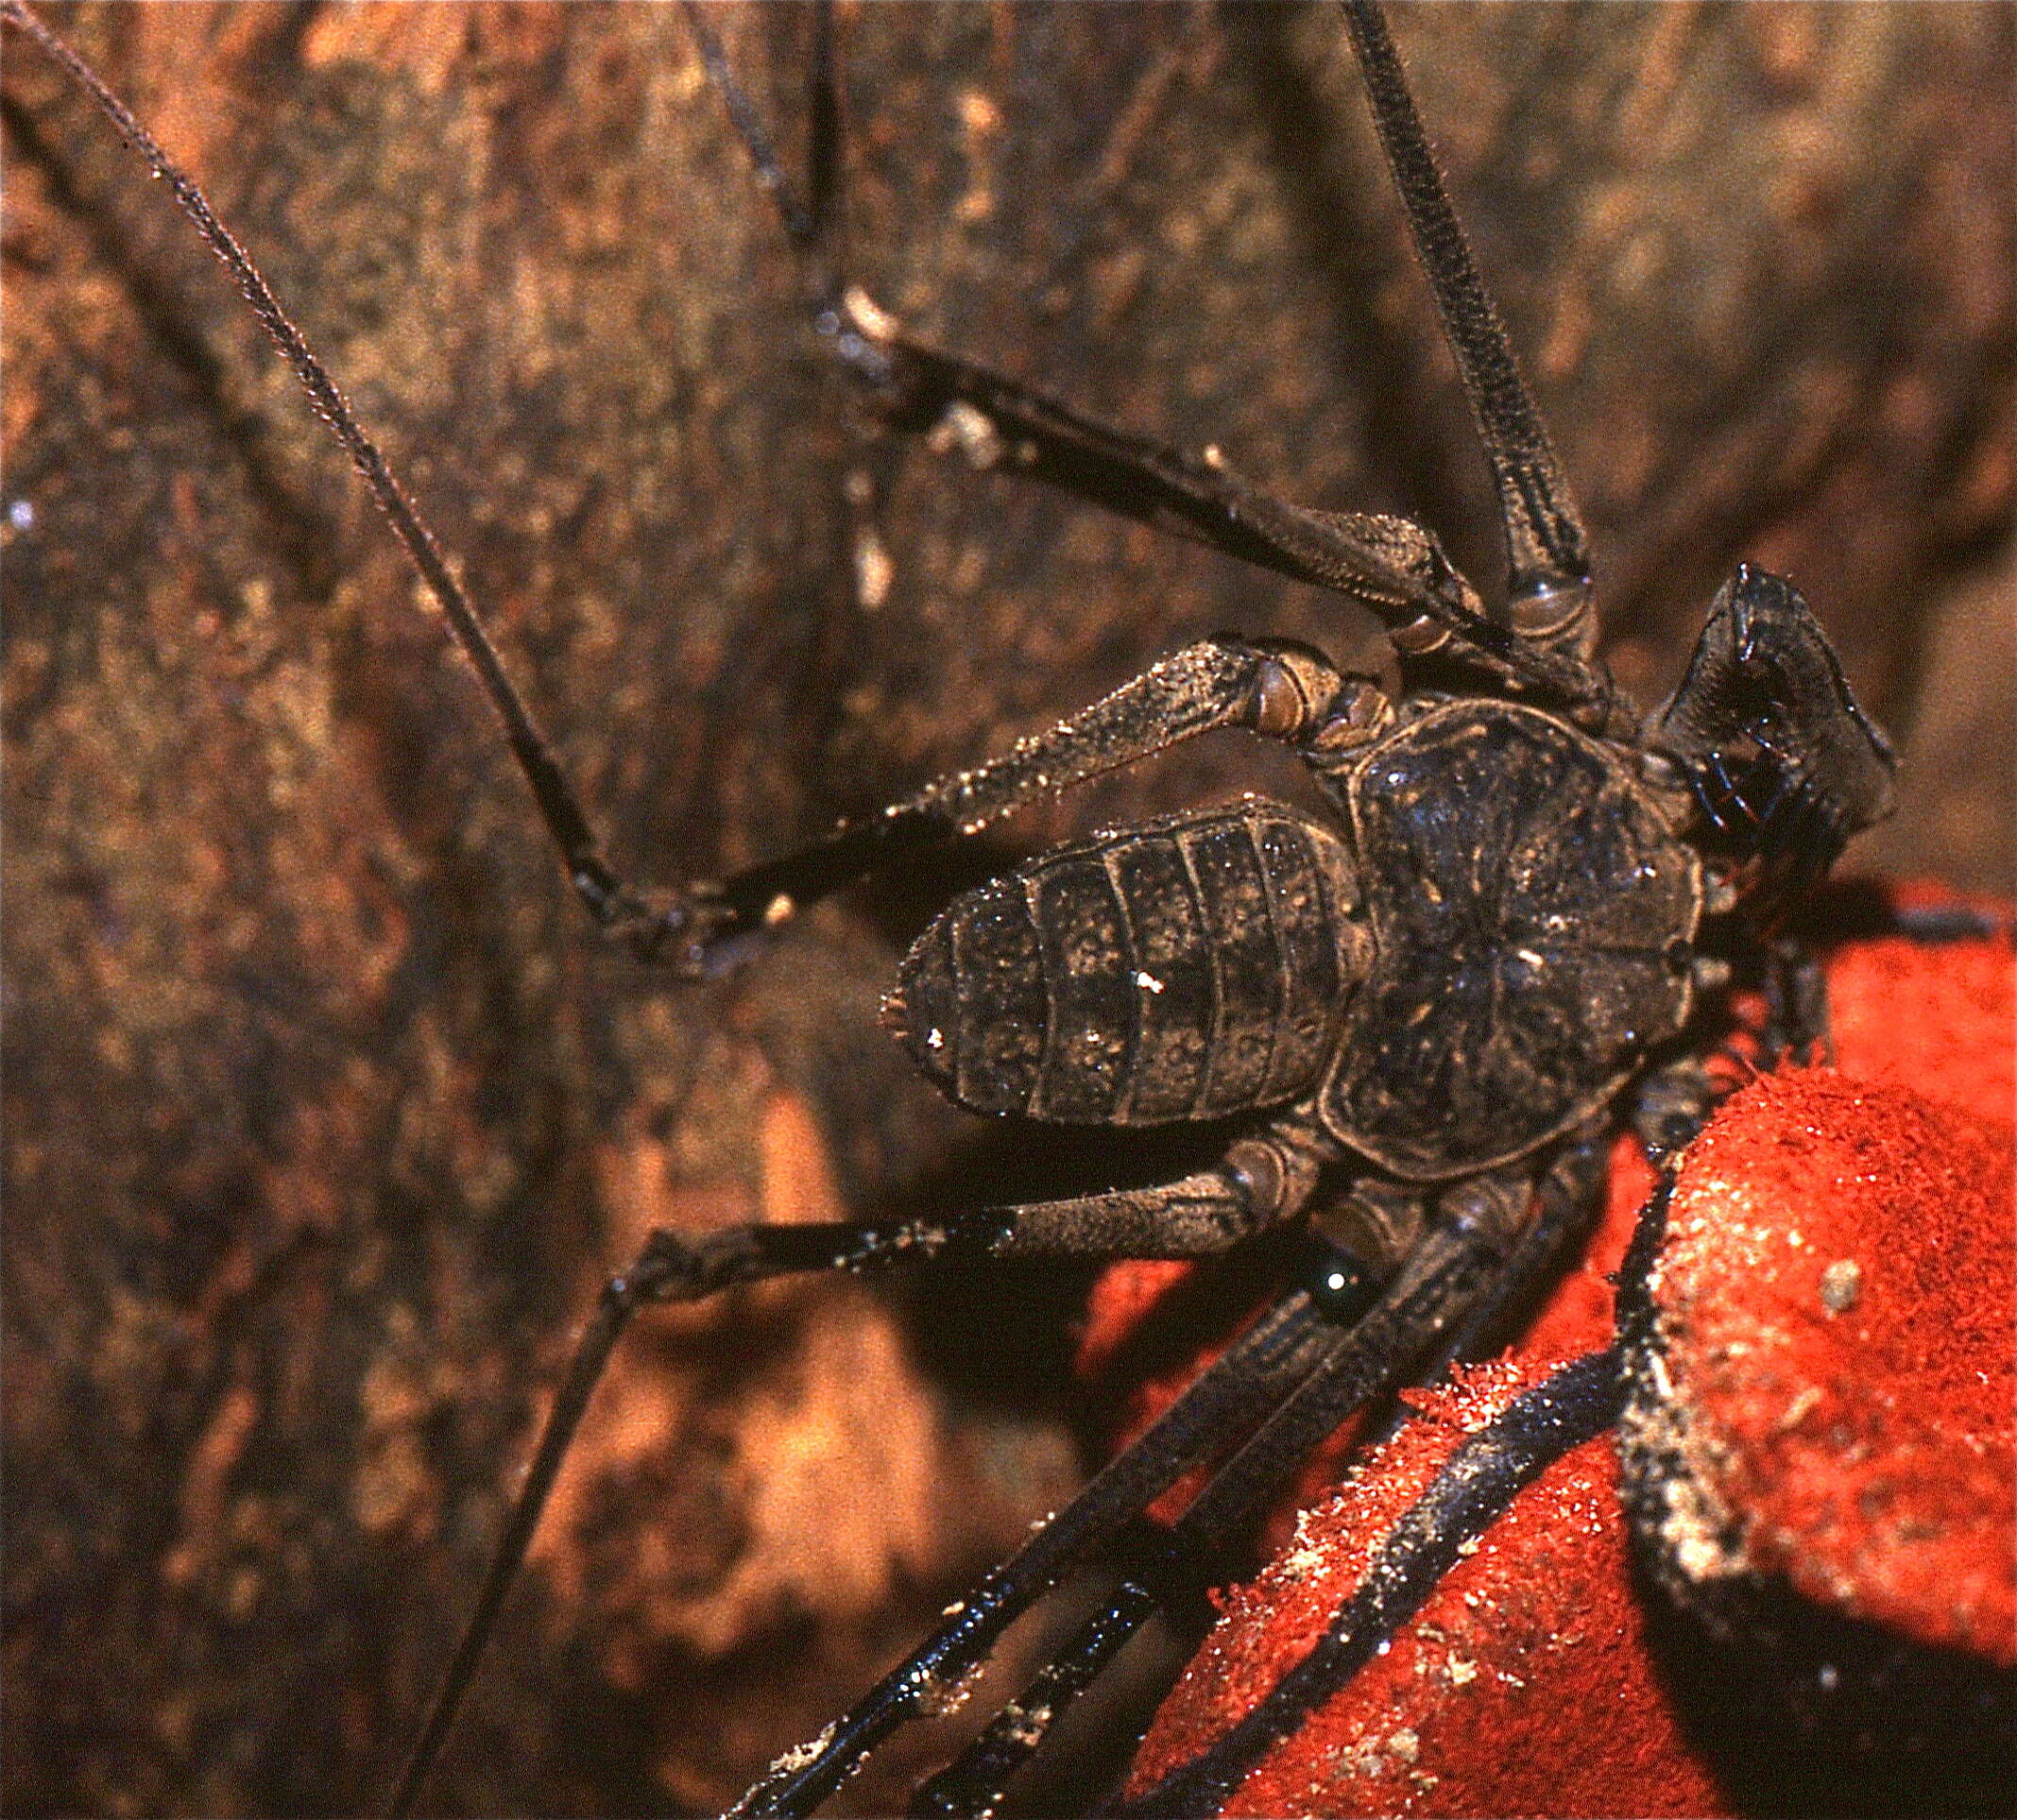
[(1196, 966)]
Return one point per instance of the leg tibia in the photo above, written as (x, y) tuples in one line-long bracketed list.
[(1287, 694)]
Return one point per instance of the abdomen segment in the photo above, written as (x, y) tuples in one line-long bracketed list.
[(1193, 967)]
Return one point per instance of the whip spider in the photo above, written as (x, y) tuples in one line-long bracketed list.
[(325, 1119)]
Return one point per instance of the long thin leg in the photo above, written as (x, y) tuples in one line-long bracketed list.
[(976, 1780), (824, 197), (568, 829), (1296, 1335), (1477, 1485), (1796, 1008), (1458, 1282), (694, 928), (1549, 567), (1565, 1208), (1265, 1177), (1286, 692), (1669, 1109), (1445, 1272), (1388, 563)]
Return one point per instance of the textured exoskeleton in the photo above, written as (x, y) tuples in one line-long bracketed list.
[(1474, 959)]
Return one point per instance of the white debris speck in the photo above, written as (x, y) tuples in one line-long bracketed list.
[(933, 1695), (873, 571), (21, 514), (1531, 959), (1148, 982), (1461, 1672), (969, 430), (935, 1038), (1697, 1556), (1470, 1545), (870, 317), (1301, 1561), (1800, 1408), (977, 112), (801, 1755), (1841, 1283), (1026, 1725), (779, 910)]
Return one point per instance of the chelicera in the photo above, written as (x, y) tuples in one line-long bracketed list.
[(1433, 1001)]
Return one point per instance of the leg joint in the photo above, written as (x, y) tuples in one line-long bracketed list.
[(1271, 1177), (1492, 1207), (1300, 696), (1379, 1222)]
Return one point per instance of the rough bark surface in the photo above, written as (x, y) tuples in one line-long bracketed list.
[(325, 1114)]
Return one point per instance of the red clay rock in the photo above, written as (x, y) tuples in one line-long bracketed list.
[(1835, 1297), (1485, 1703), (1862, 1446)]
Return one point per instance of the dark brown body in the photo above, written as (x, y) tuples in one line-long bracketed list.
[(1500, 932), (1198, 967)]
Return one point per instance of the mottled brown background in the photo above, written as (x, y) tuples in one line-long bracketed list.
[(325, 1114)]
